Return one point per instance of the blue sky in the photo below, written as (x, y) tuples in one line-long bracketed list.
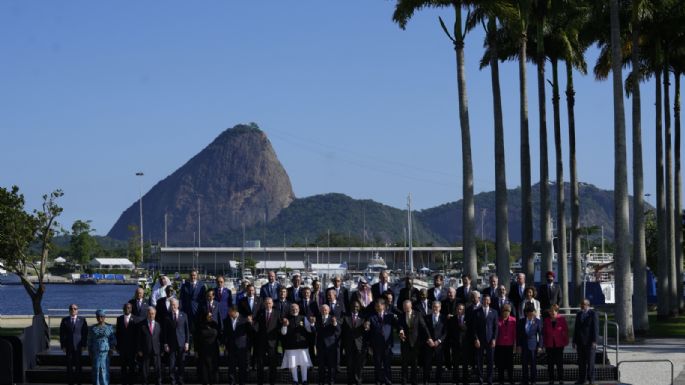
[(95, 91)]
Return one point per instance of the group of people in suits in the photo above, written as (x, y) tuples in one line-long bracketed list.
[(467, 330)]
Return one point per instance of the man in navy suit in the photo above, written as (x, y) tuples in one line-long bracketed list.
[(282, 304), (484, 326), (438, 292), (517, 292), (585, 336), (379, 288), (327, 328), (267, 328), (498, 302), (341, 293), (294, 291), (73, 335), (530, 343), (334, 303), (250, 304), (210, 305), (192, 294), (238, 334), (139, 305), (224, 297), (549, 294), (412, 336), (423, 305), (127, 334), (271, 288), (379, 329), (436, 326), (408, 292), (176, 342), (353, 336), (149, 345), (464, 291)]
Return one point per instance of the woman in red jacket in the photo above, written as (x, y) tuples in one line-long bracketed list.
[(555, 337), (504, 345)]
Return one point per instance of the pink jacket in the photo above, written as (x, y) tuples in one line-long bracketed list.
[(506, 334), (556, 336)]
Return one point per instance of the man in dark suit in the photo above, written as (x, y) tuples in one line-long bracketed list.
[(327, 330), (192, 294), (549, 294), (341, 293), (270, 289), (502, 299), (353, 334), (267, 334), (517, 292), (250, 303), (379, 288), (163, 305), (436, 325), (294, 291), (422, 305), (408, 292), (318, 294), (308, 308), (485, 334), (73, 335), (530, 343), (224, 297), (282, 304), (449, 310), (127, 335), (177, 342), (585, 335), (210, 305), (336, 306), (238, 333), (492, 290), (464, 291), (457, 344), (438, 292), (139, 305), (379, 329), (412, 336), (150, 340)]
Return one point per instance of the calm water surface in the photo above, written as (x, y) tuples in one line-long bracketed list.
[(14, 300)]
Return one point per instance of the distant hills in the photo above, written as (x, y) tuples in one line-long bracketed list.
[(241, 182)]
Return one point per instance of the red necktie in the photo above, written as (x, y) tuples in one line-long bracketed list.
[(150, 327), (268, 317)]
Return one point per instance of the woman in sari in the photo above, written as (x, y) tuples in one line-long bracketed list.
[(101, 341)]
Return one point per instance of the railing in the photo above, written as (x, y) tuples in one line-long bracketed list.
[(618, 367)]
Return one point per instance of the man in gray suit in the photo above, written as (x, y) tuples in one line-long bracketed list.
[(585, 341)]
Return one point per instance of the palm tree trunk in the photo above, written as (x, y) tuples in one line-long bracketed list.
[(527, 259), (624, 289), (468, 210), (639, 251), (670, 235), (501, 215), (575, 197), (678, 199), (663, 306), (562, 266), (545, 215)]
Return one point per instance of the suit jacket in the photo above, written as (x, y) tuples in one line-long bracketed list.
[(225, 299), (244, 306), (415, 331), (344, 296), (464, 296), (484, 327), (327, 335), (436, 331), (431, 293), (139, 311), (498, 303), (457, 332), (319, 297), (240, 337), (369, 308), (532, 338), (73, 336), (310, 309), (191, 298), (162, 310), (515, 296), (549, 296), (555, 333), (283, 307), (127, 335), (213, 308), (149, 344), (490, 291), (267, 332), (291, 294), (376, 289), (406, 294), (338, 310), (449, 307), (586, 329), (380, 332), (424, 308), (353, 333), (267, 291), (177, 334)]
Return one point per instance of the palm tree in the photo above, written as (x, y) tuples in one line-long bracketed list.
[(621, 231), (404, 10), (670, 235)]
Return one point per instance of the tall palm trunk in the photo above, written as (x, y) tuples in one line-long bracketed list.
[(468, 210), (624, 289), (501, 215), (527, 259), (562, 266), (678, 199), (639, 251), (575, 198), (670, 235), (663, 306), (545, 215)]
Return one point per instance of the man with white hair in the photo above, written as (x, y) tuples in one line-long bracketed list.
[(176, 341), (327, 330)]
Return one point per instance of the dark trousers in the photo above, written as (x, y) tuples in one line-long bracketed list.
[(207, 367), (586, 363), (459, 361), (267, 358), (74, 366), (177, 359), (484, 355), (382, 359), (237, 358), (128, 367), (504, 361), (433, 357), (156, 362), (529, 361), (555, 358), (355, 363), (409, 355), (328, 363)]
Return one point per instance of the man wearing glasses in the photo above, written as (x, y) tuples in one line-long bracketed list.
[(73, 336)]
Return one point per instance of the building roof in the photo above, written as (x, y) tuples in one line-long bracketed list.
[(282, 249), (111, 261), (275, 265), (60, 260)]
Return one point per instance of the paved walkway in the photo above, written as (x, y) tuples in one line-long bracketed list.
[(653, 373)]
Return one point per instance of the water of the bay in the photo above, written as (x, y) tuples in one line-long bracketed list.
[(14, 300)]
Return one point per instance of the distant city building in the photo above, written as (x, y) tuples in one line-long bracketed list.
[(111, 263)]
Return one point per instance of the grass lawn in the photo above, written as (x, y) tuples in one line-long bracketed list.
[(671, 328), (10, 332)]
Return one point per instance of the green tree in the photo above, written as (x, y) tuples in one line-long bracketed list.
[(82, 245), (19, 230)]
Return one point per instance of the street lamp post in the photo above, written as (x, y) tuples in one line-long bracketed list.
[(140, 207)]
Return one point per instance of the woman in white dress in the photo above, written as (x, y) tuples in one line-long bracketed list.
[(530, 293), (295, 329)]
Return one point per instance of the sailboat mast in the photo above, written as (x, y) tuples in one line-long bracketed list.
[(409, 235)]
